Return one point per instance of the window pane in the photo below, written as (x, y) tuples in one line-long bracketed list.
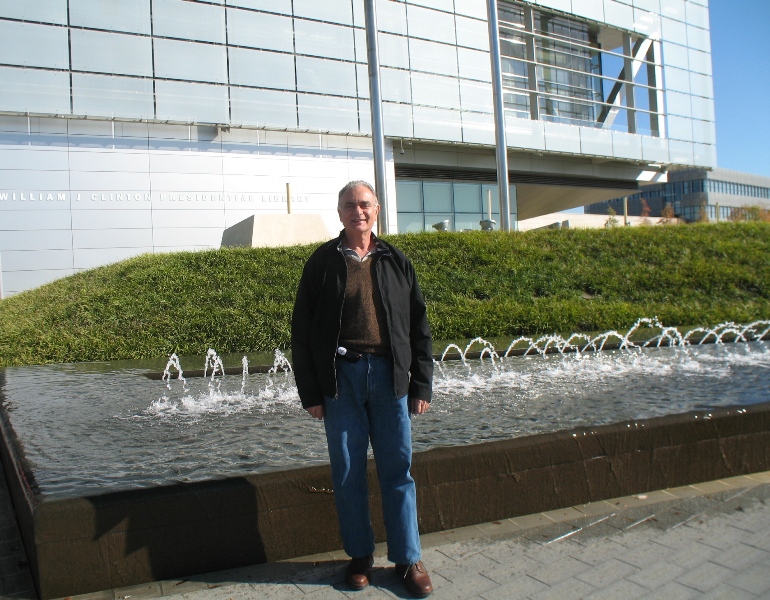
[(261, 69), (467, 197), (195, 102), (111, 53), (336, 11), (26, 90), (438, 197), (409, 197), (108, 96), (258, 30), (188, 20), (117, 15), (190, 61), (436, 218), (263, 107), (410, 223), (30, 45), (275, 6), (468, 221)]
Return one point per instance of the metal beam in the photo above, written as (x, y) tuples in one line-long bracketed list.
[(501, 147), (375, 102)]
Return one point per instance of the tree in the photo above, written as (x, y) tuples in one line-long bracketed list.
[(611, 221)]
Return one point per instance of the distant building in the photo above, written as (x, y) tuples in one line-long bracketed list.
[(695, 194), (136, 126)]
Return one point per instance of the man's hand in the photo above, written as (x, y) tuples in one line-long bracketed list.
[(317, 411), (419, 407)]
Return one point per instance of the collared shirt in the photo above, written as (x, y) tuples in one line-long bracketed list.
[(354, 255)]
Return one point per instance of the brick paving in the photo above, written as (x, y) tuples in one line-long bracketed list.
[(708, 540)]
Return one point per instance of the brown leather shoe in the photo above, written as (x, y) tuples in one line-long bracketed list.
[(416, 579), (359, 571)]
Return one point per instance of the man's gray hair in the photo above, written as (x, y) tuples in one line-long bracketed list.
[(352, 185)]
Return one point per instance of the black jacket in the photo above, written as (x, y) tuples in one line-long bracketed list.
[(315, 323)]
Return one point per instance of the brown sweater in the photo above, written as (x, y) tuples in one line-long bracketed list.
[(364, 323)]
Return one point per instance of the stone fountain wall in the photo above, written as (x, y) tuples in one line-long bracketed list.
[(79, 545)]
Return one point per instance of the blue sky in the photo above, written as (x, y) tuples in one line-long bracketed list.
[(740, 53)]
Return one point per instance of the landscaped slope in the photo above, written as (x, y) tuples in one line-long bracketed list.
[(551, 281)]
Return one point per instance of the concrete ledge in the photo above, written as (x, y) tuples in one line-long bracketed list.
[(118, 539), (260, 231)]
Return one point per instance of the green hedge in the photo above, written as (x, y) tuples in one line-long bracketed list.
[(487, 284)]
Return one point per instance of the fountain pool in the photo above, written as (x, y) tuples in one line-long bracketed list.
[(88, 429)]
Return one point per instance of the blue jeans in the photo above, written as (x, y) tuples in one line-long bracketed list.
[(365, 409)]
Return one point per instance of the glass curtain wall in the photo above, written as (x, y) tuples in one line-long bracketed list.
[(565, 70), (423, 204)]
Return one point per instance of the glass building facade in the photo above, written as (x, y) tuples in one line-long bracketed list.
[(201, 111)]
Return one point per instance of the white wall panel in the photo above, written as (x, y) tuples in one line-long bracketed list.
[(391, 16), (18, 281), (394, 50), (31, 260), (181, 101), (177, 237), (618, 14), (680, 152), (186, 162), (397, 120), (698, 38), (679, 128), (326, 76), (88, 258), (110, 52), (702, 108), (176, 182), (117, 15), (34, 219), (476, 96), (109, 160), (437, 124), (326, 113), (261, 183), (704, 132), (190, 61), (677, 56), (431, 24), (524, 133), (112, 238), (42, 181), (474, 64), (677, 80), (654, 150), (673, 9), (434, 90), (595, 142), (172, 218), (678, 104), (112, 96), (396, 85), (472, 8), (700, 62), (590, 9), (45, 11), (261, 68), (34, 91), (561, 138), (260, 30), (100, 217), (188, 20), (56, 239), (478, 128), (647, 23), (109, 200), (33, 45), (627, 145), (274, 6), (14, 158), (433, 58), (673, 31), (262, 165), (697, 15), (705, 155), (324, 40), (701, 85), (108, 181), (472, 33), (334, 11), (263, 107)]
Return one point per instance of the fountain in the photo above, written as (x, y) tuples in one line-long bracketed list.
[(199, 470)]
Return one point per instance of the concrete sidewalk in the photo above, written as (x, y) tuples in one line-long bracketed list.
[(708, 540)]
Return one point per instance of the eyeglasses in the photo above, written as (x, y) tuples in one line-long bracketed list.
[(363, 205)]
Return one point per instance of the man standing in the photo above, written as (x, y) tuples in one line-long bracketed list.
[(362, 360)]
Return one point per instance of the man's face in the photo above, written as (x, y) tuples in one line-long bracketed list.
[(358, 210)]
